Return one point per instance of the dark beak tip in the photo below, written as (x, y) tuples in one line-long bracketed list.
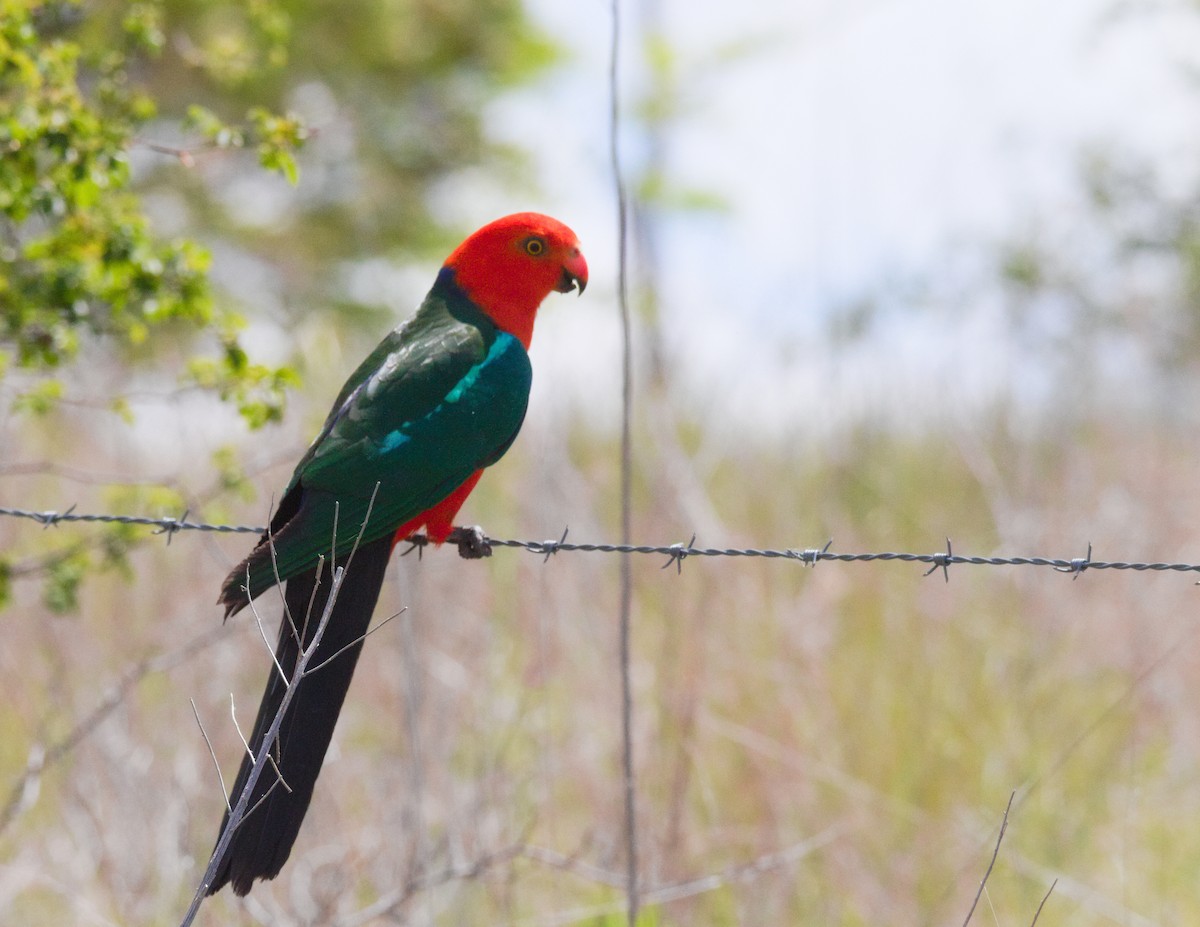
[(569, 281)]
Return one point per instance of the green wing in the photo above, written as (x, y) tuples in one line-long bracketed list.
[(440, 397)]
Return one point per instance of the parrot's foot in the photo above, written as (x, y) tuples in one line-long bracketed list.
[(472, 542)]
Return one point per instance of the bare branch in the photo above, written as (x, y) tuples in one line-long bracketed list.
[(287, 612), (391, 902), (211, 752), (185, 156), (267, 641), (746, 872), (1045, 898), (305, 655), (687, 888), (43, 757), (574, 865), (79, 475), (357, 640), (995, 853), (237, 727), (243, 800)]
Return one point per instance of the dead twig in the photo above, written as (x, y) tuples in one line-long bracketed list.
[(1045, 898), (992, 863), (241, 807)]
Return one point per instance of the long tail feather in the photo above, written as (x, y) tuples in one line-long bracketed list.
[(265, 836)]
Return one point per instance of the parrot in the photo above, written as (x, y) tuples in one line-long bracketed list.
[(438, 401)]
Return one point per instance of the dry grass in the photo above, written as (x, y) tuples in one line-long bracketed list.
[(813, 746)]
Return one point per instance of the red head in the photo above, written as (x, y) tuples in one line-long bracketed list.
[(509, 266)]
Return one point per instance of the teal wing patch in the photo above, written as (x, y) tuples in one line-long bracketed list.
[(417, 427)]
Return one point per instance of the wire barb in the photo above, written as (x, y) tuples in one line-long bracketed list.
[(811, 555), (943, 561), (676, 554), (417, 542), (552, 547), (51, 519), (170, 525), (1078, 565)]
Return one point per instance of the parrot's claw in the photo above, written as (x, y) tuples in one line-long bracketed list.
[(472, 543)]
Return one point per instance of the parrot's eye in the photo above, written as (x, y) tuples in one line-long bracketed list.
[(535, 247)]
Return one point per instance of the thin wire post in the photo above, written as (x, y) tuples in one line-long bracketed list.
[(626, 576)]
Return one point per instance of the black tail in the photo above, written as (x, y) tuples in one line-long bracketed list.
[(265, 836)]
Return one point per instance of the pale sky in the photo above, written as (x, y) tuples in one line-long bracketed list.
[(861, 136), (856, 142)]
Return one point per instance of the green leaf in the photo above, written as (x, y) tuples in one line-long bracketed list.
[(278, 138), (213, 128), (260, 392), (143, 25), (231, 475), (39, 400), (63, 579)]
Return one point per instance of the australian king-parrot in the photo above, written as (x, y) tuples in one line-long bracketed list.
[(440, 399)]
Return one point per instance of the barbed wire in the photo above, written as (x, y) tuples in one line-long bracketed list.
[(675, 553), (166, 526)]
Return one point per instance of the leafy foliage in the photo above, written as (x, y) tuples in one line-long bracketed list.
[(137, 140), (399, 90), (80, 258)]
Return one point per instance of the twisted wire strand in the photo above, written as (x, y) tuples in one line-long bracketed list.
[(167, 525), (676, 553)]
